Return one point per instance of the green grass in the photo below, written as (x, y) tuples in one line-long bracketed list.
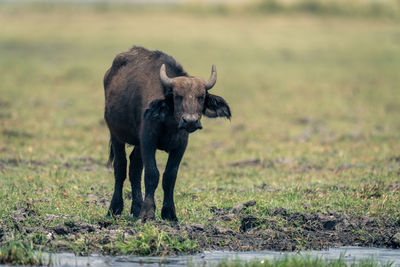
[(299, 261), (20, 253), (314, 100), (151, 241), (383, 9)]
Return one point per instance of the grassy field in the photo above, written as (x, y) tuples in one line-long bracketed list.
[(315, 128), (297, 261)]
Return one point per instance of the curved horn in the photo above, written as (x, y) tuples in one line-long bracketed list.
[(165, 80), (213, 78)]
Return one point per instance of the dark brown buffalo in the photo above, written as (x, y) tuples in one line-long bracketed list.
[(152, 103)]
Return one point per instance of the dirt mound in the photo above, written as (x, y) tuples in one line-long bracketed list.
[(293, 231), (276, 229)]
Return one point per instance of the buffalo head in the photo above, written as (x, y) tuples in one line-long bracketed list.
[(187, 99)]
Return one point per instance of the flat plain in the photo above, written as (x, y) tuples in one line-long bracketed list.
[(310, 159)]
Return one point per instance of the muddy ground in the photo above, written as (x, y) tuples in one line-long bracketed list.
[(282, 231)]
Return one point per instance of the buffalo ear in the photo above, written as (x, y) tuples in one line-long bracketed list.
[(215, 106), (158, 110)]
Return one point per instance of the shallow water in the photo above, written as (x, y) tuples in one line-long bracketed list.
[(349, 254)]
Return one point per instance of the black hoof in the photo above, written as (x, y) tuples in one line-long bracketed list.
[(115, 209), (135, 209), (148, 210), (168, 213), (147, 215)]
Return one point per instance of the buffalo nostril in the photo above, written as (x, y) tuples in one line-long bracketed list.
[(184, 120)]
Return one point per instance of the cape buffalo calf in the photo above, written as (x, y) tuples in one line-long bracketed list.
[(152, 103)]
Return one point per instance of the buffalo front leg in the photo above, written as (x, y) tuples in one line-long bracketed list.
[(168, 183), (135, 175), (151, 178), (117, 203)]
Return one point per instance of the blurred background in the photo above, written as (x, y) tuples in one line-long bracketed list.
[(313, 86)]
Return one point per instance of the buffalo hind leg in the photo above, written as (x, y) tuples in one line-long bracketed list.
[(117, 203), (168, 183), (135, 177)]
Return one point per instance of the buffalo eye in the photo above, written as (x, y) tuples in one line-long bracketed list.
[(200, 99), (178, 98)]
